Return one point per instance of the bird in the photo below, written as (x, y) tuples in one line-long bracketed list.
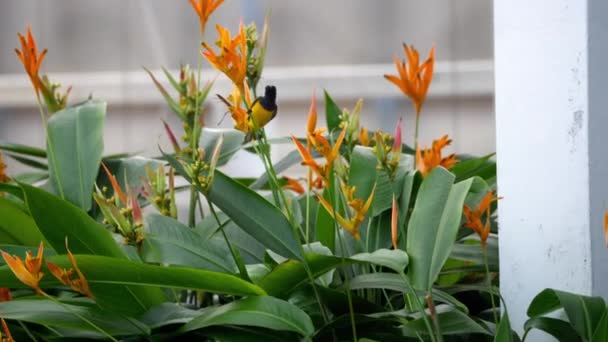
[(262, 110)]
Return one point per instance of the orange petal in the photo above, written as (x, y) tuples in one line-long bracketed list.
[(312, 115), (115, 185)]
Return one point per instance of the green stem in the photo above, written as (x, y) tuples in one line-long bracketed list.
[(489, 283), (416, 136), (237, 258), (192, 207), (425, 318), (434, 317)]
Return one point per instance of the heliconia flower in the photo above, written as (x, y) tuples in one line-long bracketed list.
[(28, 272), (356, 204), (428, 159), (364, 137), (414, 78), (308, 160), (394, 220), (473, 217), (3, 177), (204, 9), (239, 114), (7, 334), (294, 185), (31, 60), (66, 277), (5, 294), (117, 190), (232, 57), (311, 123)]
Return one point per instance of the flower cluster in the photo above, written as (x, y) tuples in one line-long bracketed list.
[(358, 207), (474, 217), (428, 159)]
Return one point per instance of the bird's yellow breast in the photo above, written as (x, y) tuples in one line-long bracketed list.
[(260, 114)]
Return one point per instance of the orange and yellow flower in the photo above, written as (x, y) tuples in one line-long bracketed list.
[(428, 159), (31, 60), (414, 78), (204, 9), (294, 185), (66, 277), (232, 57), (3, 177), (28, 272), (358, 207), (7, 333), (474, 217), (239, 114)]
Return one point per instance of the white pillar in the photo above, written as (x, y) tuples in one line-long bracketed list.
[(551, 69)]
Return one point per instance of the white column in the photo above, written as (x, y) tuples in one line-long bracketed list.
[(551, 69)]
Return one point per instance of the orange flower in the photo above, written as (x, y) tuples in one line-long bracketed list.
[(294, 185), (28, 273), (427, 160), (394, 221), (364, 137), (238, 113), (473, 217), (3, 177), (324, 148), (232, 58), (356, 204), (65, 276), (5, 294), (29, 57), (7, 333), (204, 9), (414, 78)]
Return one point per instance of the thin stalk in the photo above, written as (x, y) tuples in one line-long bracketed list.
[(192, 207), (237, 259), (425, 318), (434, 317), (86, 320), (416, 134), (489, 283)]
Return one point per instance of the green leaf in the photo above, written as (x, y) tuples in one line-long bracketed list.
[(504, 333), (601, 332), (11, 189), (395, 282), (561, 330), (451, 322), (74, 147), (58, 219), (332, 113), (290, 275), (167, 241), (325, 225), (17, 226), (53, 314), (103, 271), (233, 141), (474, 167), (395, 259), (472, 252), (264, 312), (34, 163), (168, 313), (434, 224), (255, 215), (172, 104), (22, 149), (584, 312)]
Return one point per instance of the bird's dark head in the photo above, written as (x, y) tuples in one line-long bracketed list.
[(271, 94)]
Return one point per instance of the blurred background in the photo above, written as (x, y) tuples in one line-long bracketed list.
[(342, 46)]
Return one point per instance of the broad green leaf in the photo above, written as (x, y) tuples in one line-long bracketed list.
[(31, 162), (17, 226), (584, 312), (332, 113), (74, 147), (129, 171), (601, 332), (395, 259), (167, 241), (255, 215), (468, 168), (22, 149), (504, 333), (168, 313), (103, 271), (395, 282), (472, 252), (325, 225), (52, 314), (362, 172), (288, 276), (233, 140), (266, 312), (433, 225), (561, 330), (451, 322), (58, 219), (14, 190)]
